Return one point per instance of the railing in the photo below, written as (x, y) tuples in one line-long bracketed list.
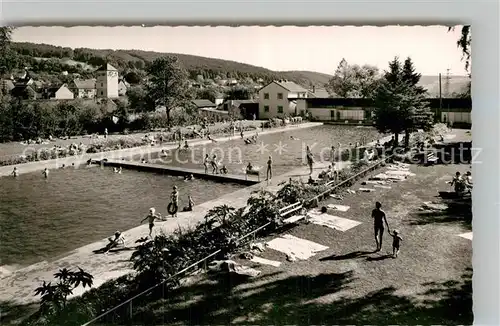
[(283, 212)]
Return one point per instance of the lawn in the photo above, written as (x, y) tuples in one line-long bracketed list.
[(429, 283)]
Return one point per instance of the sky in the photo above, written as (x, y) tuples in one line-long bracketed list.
[(317, 48)]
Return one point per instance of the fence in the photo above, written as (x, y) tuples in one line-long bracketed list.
[(283, 212)]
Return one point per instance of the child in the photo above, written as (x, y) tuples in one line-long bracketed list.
[(224, 170), (396, 239), (152, 216), (15, 172), (45, 173)]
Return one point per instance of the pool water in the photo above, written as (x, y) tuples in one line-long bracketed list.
[(287, 153), (42, 218)]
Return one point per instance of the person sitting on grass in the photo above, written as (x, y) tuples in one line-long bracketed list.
[(117, 242), (396, 239), (190, 206), (458, 183)]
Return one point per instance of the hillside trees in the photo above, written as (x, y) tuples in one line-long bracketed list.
[(400, 103), (7, 56)]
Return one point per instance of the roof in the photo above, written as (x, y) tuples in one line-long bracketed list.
[(291, 86), (22, 90), (107, 67), (8, 84), (288, 85), (237, 103), (319, 93), (203, 103), (84, 84)]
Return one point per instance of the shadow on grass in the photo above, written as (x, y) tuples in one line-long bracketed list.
[(12, 313), (352, 255), (291, 300), (459, 211)]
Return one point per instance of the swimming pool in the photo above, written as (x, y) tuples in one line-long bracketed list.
[(42, 218), (287, 153)]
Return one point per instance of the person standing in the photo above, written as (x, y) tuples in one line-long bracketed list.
[(379, 218), (269, 172), (105, 132), (174, 197)]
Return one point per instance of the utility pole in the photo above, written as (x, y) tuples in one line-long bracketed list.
[(440, 98), (447, 84)]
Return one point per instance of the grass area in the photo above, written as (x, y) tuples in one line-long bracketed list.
[(429, 283)]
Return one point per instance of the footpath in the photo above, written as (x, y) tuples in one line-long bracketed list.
[(128, 152)]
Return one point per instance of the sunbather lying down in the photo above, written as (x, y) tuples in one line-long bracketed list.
[(116, 243)]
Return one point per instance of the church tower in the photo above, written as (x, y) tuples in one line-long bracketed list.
[(107, 82)]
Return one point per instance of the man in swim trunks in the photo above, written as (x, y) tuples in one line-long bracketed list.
[(379, 218), (152, 216), (215, 165)]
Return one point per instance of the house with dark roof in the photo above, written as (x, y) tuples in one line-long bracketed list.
[(278, 99), (83, 88), (204, 104), (241, 109), (25, 92)]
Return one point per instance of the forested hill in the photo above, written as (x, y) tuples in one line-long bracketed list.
[(125, 60)]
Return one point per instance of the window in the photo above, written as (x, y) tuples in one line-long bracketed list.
[(332, 114), (102, 84), (280, 109), (280, 96), (266, 108), (102, 93), (266, 96)]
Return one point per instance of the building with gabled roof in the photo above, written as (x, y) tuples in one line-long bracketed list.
[(83, 88), (278, 99)]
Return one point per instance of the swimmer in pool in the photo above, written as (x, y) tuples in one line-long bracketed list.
[(152, 216), (15, 172), (45, 173)]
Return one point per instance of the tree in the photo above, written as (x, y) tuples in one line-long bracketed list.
[(132, 77), (423, 117), (209, 93), (167, 84), (239, 93), (137, 99), (463, 43), (400, 107), (54, 296), (366, 79), (7, 56), (343, 81)]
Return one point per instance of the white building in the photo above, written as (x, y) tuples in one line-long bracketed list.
[(107, 82), (279, 99)]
